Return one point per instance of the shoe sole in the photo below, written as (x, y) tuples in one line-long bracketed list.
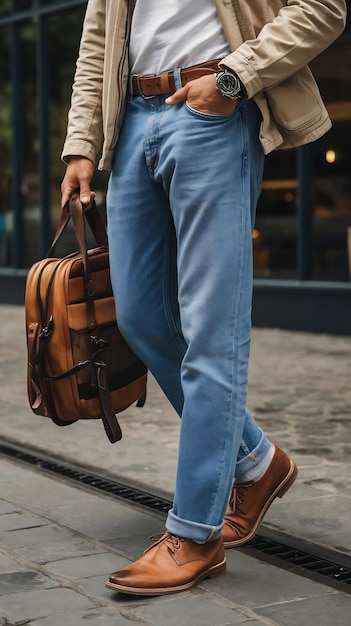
[(279, 492), (212, 572)]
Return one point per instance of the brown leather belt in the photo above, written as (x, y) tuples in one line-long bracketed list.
[(148, 86)]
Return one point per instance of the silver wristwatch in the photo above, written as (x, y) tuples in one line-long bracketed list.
[(230, 85)]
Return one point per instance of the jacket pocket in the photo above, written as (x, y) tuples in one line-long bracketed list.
[(296, 103)]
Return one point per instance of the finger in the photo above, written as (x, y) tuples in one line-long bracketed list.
[(84, 178), (86, 199), (66, 193), (85, 195), (178, 96)]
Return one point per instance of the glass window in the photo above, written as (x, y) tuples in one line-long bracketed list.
[(29, 149), (5, 7), (63, 35), (21, 5), (331, 168), (56, 1), (5, 149), (274, 236), (64, 31), (19, 86)]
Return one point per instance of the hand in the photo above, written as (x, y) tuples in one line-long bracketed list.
[(203, 96), (78, 177)]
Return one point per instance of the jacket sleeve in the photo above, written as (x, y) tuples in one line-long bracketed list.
[(84, 131), (300, 31)]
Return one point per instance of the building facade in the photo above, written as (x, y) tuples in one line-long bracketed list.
[(302, 236)]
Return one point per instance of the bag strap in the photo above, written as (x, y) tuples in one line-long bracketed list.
[(109, 419), (75, 210)]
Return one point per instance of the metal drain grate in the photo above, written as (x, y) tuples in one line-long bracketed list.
[(334, 569), (77, 474), (336, 573)]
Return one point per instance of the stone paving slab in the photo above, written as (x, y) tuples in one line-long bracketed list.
[(28, 605), (7, 507), (114, 521), (33, 536), (331, 610), (192, 609), (52, 551), (263, 586), (19, 521), (39, 589), (86, 566), (19, 581), (324, 520), (93, 617), (7, 564)]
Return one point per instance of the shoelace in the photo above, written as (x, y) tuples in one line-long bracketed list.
[(237, 496), (173, 540)]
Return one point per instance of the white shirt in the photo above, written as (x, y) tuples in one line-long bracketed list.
[(169, 34)]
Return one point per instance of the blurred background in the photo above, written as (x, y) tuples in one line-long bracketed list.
[(302, 237)]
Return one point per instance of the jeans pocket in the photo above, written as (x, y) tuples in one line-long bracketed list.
[(209, 116)]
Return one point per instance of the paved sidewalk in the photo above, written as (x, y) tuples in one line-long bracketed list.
[(299, 390), (58, 544)]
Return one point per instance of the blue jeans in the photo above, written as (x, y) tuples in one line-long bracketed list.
[(181, 203)]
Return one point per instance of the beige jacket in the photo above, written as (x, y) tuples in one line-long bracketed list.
[(271, 41)]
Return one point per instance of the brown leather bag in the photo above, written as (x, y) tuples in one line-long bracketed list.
[(79, 365)]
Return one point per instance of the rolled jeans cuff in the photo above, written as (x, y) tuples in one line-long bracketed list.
[(252, 458), (200, 533)]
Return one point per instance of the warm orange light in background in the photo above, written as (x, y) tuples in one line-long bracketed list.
[(330, 156), (289, 196), (255, 233)]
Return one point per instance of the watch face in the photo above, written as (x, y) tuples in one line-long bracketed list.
[(228, 84)]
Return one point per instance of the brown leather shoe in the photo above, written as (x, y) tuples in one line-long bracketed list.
[(249, 502), (169, 565)]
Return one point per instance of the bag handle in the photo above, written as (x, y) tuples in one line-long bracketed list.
[(93, 218), (77, 214)]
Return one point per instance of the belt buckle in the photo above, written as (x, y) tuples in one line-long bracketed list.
[(138, 77)]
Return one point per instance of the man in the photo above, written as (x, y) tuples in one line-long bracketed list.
[(185, 98)]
